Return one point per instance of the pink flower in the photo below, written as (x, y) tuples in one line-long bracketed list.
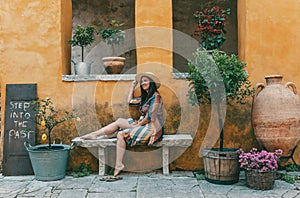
[(261, 161)]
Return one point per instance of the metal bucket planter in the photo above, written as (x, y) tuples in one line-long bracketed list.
[(82, 68), (49, 164), (221, 167)]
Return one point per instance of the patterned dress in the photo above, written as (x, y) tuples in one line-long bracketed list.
[(152, 116)]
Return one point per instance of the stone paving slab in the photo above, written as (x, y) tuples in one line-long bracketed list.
[(142, 185)]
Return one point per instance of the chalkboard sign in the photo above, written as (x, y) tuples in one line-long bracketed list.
[(18, 128)]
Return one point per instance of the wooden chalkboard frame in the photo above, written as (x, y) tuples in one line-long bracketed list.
[(18, 128)]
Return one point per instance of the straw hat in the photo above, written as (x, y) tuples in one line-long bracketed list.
[(149, 75)]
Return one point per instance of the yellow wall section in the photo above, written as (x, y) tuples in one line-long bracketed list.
[(269, 41), (269, 38), (153, 19), (33, 37)]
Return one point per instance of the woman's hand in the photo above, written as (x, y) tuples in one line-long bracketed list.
[(135, 124), (134, 83), (130, 95), (152, 138)]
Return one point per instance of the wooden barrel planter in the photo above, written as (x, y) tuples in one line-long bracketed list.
[(221, 167)]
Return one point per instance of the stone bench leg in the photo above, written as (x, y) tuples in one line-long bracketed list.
[(165, 160), (102, 161)]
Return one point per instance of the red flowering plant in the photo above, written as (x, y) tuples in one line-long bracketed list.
[(260, 161), (210, 26)]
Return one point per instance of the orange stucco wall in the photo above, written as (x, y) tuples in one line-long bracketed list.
[(33, 36), (269, 38), (33, 46), (269, 41)]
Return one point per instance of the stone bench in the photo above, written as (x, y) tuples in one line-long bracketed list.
[(176, 140)]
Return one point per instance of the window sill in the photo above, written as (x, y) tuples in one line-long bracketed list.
[(179, 75), (97, 77), (111, 77)]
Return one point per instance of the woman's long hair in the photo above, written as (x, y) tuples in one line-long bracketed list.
[(146, 95)]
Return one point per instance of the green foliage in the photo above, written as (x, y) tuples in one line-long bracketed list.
[(114, 34), (83, 36), (211, 26), (111, 171), (213, 71), (47, 117), (200, 174), (83, 169), (292, 168), (288, 178), (200, 177)]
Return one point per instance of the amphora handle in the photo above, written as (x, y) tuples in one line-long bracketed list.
[(258, 88), (292, 85)]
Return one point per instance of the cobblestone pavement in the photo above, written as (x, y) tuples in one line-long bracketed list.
[(151, 185)]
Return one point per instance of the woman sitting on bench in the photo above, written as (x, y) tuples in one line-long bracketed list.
[(147, 129)]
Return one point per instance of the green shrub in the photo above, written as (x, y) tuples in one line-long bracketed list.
[(212, 70), (288, 178), (292, 168), (82, 170)]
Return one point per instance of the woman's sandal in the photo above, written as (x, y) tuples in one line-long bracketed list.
[(110, 178)]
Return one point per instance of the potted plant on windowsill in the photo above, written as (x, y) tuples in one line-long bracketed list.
[(113, 36), (49, 161), (83, 36)]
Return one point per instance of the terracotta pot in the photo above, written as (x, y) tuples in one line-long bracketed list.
[(276, 115), (113, 65)]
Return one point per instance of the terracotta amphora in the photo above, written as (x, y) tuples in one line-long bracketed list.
[(276, 115)]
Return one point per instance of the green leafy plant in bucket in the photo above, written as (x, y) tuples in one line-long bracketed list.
[(47, 117)]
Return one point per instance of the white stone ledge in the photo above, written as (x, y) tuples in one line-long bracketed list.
[(97, 77), (111, 77), (180, 75), (179, 140)]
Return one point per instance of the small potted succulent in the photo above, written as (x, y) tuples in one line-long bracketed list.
[(260, 167), (49, 161), (113, 35), (82, 37)]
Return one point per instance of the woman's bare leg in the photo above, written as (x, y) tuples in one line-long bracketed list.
[(107, 130), (120, 151)]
